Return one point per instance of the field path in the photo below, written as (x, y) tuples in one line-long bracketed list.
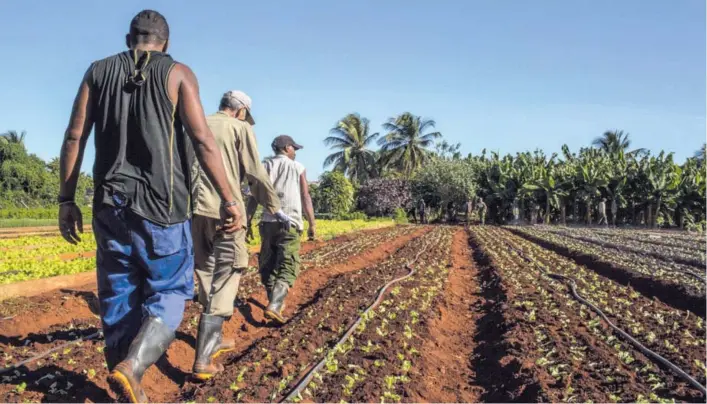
[(446, 373)]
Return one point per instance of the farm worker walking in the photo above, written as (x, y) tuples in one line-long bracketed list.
[(139, 103), (602, 212), (614, 210), (469, 209), (220, 258), (482, 210), (421, 207), (279, 259)]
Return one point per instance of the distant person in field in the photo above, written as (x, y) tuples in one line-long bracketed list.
[(481, 206), (468, 209), (279, 261), (421, 210), (602, 212), (139, 103), (221, 258)]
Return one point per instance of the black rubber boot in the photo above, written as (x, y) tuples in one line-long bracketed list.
[(148, 346), (209, 345), (114, 355), (268, 290), (274, 309)]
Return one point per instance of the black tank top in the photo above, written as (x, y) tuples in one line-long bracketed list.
[(142, 151)]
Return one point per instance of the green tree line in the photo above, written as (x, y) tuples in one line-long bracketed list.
[(27, 181), (636, 186)]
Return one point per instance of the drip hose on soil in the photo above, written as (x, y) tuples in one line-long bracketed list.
[(45, 353), (651, 354), (304, 382)]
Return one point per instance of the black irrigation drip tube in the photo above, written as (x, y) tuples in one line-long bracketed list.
[(45, 353), (304, 382), (651, 354)]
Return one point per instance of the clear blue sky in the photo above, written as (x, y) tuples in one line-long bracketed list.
[(503, 75)]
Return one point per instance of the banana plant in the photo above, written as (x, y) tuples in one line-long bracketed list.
[(545, 182), (618, 169), (663, 180), (592, 177)]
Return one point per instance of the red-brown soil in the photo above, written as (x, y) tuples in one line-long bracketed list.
[(476, 322), (275, 363), (33, 319), (673, 293), (445, 373)]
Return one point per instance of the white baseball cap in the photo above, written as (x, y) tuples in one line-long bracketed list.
[(236, 99)]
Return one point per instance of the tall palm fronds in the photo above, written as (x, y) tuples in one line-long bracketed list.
[(351, 139), (406, 146), (613, 142)]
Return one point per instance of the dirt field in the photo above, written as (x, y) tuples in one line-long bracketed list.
[(478, 319)]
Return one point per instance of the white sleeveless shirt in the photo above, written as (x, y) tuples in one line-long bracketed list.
[(284, 175)]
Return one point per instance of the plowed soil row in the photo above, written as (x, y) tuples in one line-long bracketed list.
[(270, 367), (22, 315), (670, 292), (445, 371), (565, 348), (81, 373)]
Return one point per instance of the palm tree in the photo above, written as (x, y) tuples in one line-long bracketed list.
[(351, 138), (612, 142), (12, 136), (405, 147)]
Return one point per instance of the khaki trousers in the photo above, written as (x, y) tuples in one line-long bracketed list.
[(220, 260)]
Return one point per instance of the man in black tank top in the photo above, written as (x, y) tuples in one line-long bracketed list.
[(146, 114)]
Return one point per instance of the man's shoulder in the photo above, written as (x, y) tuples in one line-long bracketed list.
[(111, 58), (299, 166), (241, 127)]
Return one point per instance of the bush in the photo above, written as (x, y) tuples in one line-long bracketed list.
[(354, 216), (444, 181), (334, 194), (38, 213), (400, 216), (382, 196)]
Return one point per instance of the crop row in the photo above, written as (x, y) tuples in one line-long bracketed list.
[(664, 239), (270, 368), (82, 364), (335, 253), (692, 239), (35, 257), (374, 363), (678, 284), (674, 253), (576, 356)]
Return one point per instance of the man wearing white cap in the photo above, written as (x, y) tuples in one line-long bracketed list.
[(220, 258)]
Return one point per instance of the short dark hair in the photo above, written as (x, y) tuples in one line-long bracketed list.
[(149, 26)]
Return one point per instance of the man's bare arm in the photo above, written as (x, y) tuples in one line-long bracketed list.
[(75, 139), (306, 199), (183, 80)]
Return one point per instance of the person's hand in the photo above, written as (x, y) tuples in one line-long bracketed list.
[(249, 233), (231, 219), (285, 221), (311, 232), (69, 220), (282, 217)]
